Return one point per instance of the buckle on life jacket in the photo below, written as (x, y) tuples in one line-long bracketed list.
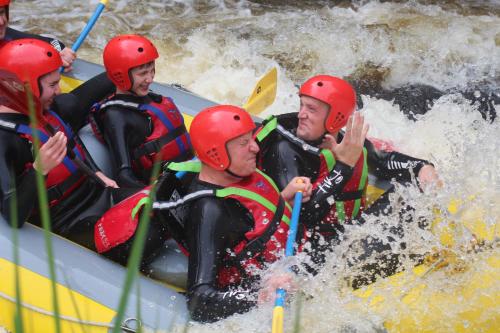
[(154, 146), (258, 244), (346, 196)]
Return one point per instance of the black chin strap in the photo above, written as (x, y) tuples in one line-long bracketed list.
[(233, 174)]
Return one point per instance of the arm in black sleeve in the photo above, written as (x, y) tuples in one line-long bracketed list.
[(116, 132), (12, 34), (389, 165), (26, 194), (92, 91), (284, 161), (206, 232)]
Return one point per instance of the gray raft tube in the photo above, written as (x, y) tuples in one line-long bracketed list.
[(94, 277)]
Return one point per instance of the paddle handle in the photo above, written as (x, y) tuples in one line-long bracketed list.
[(279, 303), (90, 25)]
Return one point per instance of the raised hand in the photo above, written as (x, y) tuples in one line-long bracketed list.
[(349, 150), (51, 153)]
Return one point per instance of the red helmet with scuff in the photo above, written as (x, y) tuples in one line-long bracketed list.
[(211, 130), (335, 92), (28, 59), (125, 52)]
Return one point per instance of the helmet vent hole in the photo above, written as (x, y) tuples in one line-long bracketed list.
[(49, 54), (236, 117), (320, 84), (140, 50)]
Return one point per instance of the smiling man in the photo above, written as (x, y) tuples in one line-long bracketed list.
[(311, 143), (138, 125)]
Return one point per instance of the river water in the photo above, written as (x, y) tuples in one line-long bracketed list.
[(219, 49)]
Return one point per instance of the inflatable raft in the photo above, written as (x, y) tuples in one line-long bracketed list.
[(89, 286)]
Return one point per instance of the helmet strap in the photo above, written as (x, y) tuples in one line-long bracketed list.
[(233, 174)]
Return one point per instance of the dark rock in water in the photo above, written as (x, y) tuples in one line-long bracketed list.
[(417, 99)]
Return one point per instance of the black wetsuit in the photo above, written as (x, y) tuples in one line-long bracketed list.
[(12, 34), (213, 226), (75, 214), (283, 160), (124, 130)]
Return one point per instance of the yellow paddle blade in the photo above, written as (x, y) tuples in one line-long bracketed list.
[(263, 94), (277, 320)]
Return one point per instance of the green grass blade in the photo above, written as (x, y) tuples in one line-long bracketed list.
[(136, 253), (44, 214), (18, 317)]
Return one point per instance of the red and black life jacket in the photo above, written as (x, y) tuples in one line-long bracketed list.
[(66, 176), (265, 243), (168, 137), (351, 201)]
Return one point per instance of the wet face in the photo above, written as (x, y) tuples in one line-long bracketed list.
[(3, 22), (312, 117), (49, 87), (243, 155), (142, 77)]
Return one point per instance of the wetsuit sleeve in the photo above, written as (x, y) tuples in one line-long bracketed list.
[(26, 194), (91, 92), (284, 161), (12, 34), (115, 131), (393, 165), (206, 231)]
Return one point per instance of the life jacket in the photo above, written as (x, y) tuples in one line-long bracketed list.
[(66, 176), (265, 243), (351, 201), (169, 136)]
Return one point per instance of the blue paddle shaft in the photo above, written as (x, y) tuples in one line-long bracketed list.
[(294, 224), (88, 27), (290, 242)]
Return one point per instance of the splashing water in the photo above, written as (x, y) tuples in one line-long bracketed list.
[(219, 49)]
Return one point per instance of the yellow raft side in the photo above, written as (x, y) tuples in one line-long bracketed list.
[(410, 304), (74, 308)]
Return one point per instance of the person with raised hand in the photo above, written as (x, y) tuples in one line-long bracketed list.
[(75, 186), (311, 143)]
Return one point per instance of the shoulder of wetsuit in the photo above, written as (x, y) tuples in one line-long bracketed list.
[(155, 97), (288, 120), (66, 105)]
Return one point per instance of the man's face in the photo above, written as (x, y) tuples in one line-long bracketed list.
[(49, 86), (3, 22), (243, 155), (142, 77), (312, 117)]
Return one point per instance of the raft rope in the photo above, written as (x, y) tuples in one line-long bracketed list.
[(70, 319)]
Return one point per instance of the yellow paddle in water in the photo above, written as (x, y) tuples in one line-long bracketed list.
[(263, 94)]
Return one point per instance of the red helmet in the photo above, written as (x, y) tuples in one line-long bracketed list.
[(30, 59), (213, 127), (125, 52), (335, 92), (5, 3)]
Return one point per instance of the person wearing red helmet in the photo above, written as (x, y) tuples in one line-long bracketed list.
[(75, 186), (311, 143), (138, 125), (7, 34), (233, 218), (240, 224)]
